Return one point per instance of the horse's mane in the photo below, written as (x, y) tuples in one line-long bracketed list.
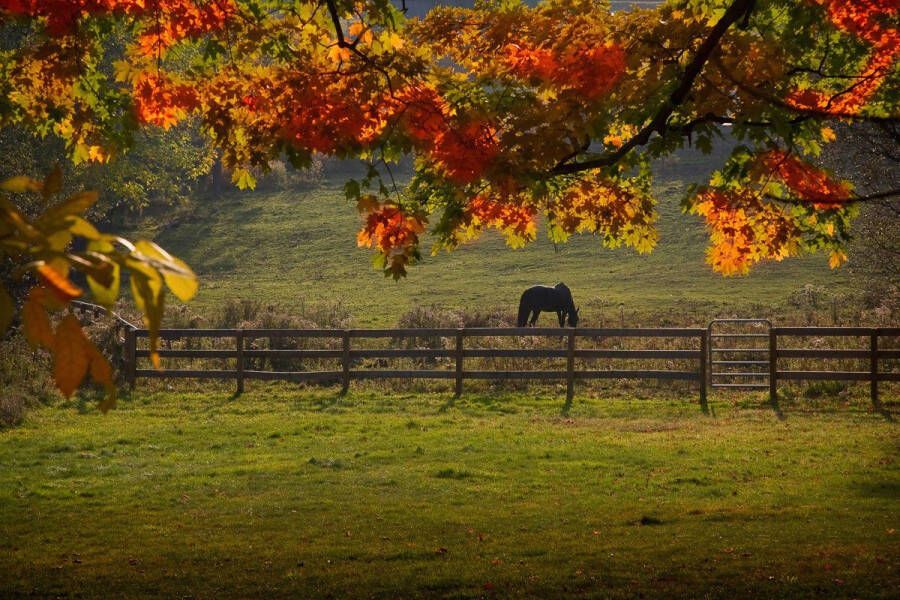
[(567, 293)]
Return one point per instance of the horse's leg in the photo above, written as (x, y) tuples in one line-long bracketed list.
[(561, 315), (534, 316)]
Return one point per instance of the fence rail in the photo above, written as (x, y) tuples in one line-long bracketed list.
[(873, 353), (703, 355), (460, 351)]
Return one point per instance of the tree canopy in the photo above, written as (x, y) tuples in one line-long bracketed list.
[(515, 115)]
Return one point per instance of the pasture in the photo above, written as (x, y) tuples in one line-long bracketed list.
[(292, 492), (299, 247)]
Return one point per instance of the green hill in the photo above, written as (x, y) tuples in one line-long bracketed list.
[(300, 246)]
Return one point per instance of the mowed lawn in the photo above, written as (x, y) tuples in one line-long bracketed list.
[(285, 492)]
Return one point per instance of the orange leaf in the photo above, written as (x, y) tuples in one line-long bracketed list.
[(70, 355), (836, 259), (64, 289), (38, 330)]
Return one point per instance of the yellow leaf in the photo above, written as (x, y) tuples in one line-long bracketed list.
[(20, 183), (178, 276), (98, 154), (106, 295), (836, 259), (59, 241), (828, 134), (244, 179), (70, 355), (184, 284), (146, 289), (75, 204), (83, 228)]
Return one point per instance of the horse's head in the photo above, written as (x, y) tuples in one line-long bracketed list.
[(573, 318)]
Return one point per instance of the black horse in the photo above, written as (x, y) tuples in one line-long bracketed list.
[(557, 299)]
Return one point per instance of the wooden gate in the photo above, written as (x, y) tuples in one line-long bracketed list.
[(739, 353)]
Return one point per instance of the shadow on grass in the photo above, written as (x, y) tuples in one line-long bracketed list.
[(878, 489)]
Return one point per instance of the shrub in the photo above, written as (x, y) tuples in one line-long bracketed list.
[(25, 380)]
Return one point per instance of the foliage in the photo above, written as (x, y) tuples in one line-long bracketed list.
[(512, 113), (45, 246), (508, 109), (163, 169)]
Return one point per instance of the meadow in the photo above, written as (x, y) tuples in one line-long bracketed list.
[(299, 247), (286, 492)]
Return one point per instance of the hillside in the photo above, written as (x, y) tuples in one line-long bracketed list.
[(300, 246)]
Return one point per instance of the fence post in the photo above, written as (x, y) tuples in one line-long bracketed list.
[(570, 369), (345, 362), (130, 356), (239, 344), (459, 362), (873, 368), (704, 351), (773, 366)]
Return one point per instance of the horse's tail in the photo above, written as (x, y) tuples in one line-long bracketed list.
[(523, 312)]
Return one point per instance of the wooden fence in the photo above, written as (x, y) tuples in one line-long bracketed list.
[(347, 356), (872, 354)]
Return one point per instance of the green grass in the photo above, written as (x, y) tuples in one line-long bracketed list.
[(300, 494), (291, 247)]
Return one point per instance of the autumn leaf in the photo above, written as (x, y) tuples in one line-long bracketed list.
[(147, 292), (177, 275), (76, 204), (20, 183), (36, 322), (836, 259), (70, 355), (58, 283), (104, 292)]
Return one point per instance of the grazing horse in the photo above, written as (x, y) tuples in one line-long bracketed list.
[(556, 299)]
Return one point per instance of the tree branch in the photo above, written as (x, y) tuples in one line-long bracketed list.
[(343, 43), (882, 195), (738, 9)]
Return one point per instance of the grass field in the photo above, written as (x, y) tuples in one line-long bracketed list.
[(293, 247), (290, 493)]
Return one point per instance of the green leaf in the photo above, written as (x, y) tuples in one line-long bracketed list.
[(352, 190)]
